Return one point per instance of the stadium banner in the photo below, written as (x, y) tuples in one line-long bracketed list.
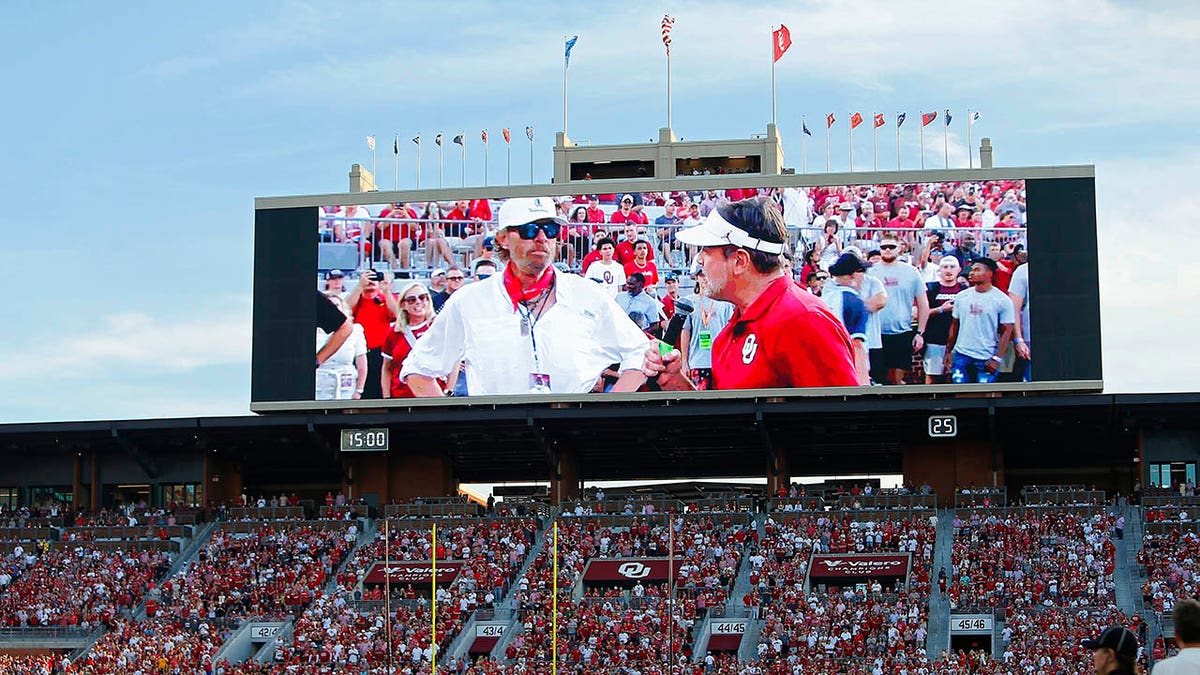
[(922, 284), (629, 570), (413, 572), (859, 566)]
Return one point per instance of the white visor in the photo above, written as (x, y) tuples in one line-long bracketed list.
[(716, 231)]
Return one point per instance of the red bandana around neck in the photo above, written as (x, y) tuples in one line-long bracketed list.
[(513, 286)]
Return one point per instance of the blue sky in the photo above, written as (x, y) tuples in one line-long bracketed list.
[(136, 135)]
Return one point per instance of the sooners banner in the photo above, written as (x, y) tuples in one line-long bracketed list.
[(850, 565), (410, 572), (628, 570)]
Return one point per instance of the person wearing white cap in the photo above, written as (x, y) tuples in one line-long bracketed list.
[(529, 329), (779, 335)]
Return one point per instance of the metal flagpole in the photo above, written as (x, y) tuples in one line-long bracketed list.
[(463, 154), (922, 140), (826, 146), (875, 142), (387, 583), (530, 134), (508, 163), (554, 610), (670, 588), (803, 145), (668, 87), (417, 140), (970, 143), (566, 61), (899, 123), (485, 158), (433, 634), (441, 160), (396, 161), (852, 142), (773, 121), (946, 140)]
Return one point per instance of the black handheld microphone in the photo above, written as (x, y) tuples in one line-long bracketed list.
[(683, 309)]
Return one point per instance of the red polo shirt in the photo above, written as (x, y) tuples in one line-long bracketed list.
[(374, 319), (786, 338)]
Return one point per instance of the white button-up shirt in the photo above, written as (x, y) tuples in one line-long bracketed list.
[(580, 335)]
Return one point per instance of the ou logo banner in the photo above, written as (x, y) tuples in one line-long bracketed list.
[(634, 570)]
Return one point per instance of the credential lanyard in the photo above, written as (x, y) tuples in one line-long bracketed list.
[(529, 321)]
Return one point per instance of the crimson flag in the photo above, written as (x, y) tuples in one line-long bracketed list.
[(829, 120), (507, 136), (878, 120), (928, 117), (783, 41), (485, 135), (855, 120)]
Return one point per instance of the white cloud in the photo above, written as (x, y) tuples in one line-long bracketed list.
[(1149, 282), (129, 346)]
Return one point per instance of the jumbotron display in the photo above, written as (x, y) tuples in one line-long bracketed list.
[(862, 288)]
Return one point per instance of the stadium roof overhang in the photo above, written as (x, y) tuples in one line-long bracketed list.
[(822, 436)]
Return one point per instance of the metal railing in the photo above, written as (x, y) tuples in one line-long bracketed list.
[(423, 234)]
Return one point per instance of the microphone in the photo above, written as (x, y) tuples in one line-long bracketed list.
[(683, 309)]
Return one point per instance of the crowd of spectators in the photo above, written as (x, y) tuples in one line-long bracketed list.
[(271, 573), (77, 586), (613, 624), (1031, 557), (1172, 563)]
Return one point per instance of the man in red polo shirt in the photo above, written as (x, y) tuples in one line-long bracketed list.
[(779, 336), (374, 307)]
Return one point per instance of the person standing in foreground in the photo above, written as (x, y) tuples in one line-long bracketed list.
[(1186, 617), (528, 329), (981, 328), (779, 335), (1114, 652)]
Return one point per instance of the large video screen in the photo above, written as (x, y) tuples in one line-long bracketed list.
[(882, 286)]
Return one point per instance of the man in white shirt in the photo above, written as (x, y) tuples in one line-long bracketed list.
[(528, 330), (1186, 617)]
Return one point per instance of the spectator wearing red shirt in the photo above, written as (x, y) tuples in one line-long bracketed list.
[(414, 318), (672, 294), (595, 214), (625, 252), (628, 214), (641, 263), (779, 336), (393, 238), (903, 220), (374, 307)]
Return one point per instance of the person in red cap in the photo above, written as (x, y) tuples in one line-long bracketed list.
[(779, 336)]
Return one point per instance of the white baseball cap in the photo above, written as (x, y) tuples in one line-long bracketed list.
[(716, 231), (520, 210)]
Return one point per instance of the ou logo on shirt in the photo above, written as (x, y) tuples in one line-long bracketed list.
[(749, 349), (608, 277), (634, 570)]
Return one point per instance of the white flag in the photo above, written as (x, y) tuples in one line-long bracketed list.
[(371, 142), (974, 117)]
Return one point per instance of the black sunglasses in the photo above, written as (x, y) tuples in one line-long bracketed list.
[(414, 298), (887, 246), (529, 230), (458, 278)]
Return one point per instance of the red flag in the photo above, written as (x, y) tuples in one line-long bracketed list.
[(485, 135), (855, 120), (878, 120), (783, 40), (928, 117), (507, 136), (829, 120), (667, 24)]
